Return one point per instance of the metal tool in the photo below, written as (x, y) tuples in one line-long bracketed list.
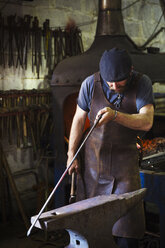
[(63, 175)]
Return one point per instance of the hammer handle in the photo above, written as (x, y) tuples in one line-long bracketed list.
[(72, 191)]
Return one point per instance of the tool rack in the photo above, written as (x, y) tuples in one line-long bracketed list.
[(25, 121), (24, 41), (25, 116)]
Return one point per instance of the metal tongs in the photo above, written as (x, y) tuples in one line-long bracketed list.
[(63, 175)]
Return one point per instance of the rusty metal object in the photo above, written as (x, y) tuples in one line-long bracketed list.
[(90, 221)]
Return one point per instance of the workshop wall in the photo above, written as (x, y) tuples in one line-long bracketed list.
[(140, 21)]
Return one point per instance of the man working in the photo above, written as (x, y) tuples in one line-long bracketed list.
[(110, 158)]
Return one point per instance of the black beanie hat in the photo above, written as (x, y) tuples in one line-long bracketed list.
[(115, 65)]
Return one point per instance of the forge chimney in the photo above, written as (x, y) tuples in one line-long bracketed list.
[(110, 20)]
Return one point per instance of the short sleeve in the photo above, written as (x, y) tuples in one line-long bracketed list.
[(85, 93), (144, 93)]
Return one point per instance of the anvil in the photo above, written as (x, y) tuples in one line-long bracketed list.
[(89, 222)]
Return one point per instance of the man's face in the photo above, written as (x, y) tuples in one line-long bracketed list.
[(118, 87)]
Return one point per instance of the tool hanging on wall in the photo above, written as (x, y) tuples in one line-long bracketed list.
[(22, 38), (47, 43), (72, 39), (18, 35), (27, 38), (59, 46), (11, 28), (36, 46)]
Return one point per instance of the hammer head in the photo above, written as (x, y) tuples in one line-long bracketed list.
[(72, 199)]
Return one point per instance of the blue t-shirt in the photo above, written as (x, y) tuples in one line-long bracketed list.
[(144, 93)]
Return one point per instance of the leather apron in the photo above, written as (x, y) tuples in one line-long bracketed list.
[(109, 161)]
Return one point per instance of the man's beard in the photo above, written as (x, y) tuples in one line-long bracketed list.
[(120, 89)]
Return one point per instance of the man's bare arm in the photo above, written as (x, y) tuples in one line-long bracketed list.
[(141, 121), (75, 136)]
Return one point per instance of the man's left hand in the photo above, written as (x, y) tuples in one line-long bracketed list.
[(107, 113)]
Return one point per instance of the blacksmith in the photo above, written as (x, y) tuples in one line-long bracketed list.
[(109, 163)]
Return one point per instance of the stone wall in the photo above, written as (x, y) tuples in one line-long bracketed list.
[(140, 20)]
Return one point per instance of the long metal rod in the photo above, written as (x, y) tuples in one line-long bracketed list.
[(63, 175)]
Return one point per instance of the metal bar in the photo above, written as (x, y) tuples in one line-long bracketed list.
[(63, 175)]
